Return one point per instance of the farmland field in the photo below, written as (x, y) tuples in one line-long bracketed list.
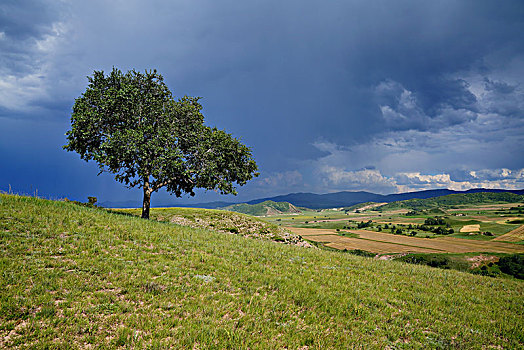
[(378, 242), (513, 236), (461, 229)]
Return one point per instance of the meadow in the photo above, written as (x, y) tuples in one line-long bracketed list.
[(77, 277)]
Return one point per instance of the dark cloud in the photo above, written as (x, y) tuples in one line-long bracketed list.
[(319, 89), (499, 86), (25, 19)]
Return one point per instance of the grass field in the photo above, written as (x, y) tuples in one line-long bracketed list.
[(222, 221), (76, 277)]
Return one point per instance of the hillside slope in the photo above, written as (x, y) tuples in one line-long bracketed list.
[(223, 221), (75, 277), (458, 199), (349, 198), (264, 208)]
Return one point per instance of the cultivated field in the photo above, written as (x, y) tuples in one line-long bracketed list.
[(378, 242), (470, 228), (475, 228), (516, 235)]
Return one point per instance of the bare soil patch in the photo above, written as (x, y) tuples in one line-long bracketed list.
[(478, 260), (374, 205)]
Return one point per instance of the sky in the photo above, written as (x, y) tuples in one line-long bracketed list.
[(380, 96)]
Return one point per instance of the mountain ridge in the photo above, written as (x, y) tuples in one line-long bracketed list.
[(320, 201)]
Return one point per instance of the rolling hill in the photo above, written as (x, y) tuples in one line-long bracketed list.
[(347, 198), (264, 208), (453, 200), (78, 277), (318, 201)]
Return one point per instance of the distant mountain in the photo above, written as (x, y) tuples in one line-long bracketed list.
[(347, 198), (320, 201)]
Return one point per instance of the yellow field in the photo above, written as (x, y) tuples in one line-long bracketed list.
[(378, 242), (470, 228), (513, 236)]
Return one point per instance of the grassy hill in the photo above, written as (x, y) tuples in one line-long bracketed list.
[(222, 221), (455, 200), (76, 277), (264, 208)]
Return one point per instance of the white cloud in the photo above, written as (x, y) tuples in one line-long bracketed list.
[(373, 180), (456, 148), (363, 179)]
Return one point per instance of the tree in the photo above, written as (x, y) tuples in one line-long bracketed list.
[(131, 125)]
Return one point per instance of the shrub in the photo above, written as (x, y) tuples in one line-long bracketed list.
[(92, 200), (434, 221), (440, 261), (512, 265), (360, 252), (363, 224)]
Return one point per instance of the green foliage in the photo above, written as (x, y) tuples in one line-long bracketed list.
[(91, 202), (363, 224), (489, 270), (434, 221), (132, 127), (433, 260), (360, 252), (512, 265)]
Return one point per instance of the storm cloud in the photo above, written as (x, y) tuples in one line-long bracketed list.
[(383, 96)]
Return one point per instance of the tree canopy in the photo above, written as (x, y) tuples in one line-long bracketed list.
[(131, 125)]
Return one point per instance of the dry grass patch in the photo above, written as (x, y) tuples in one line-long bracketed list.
[(470, 228), (516, 235)]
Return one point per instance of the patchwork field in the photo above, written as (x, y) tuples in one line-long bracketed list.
[(378, 242), (493, 227)]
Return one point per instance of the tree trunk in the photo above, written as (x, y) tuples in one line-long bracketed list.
[(147, 200)]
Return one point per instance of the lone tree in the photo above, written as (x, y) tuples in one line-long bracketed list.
[(131, 125)]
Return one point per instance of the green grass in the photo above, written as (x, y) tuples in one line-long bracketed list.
[(310, 216), (326, 225), (220, 220), (71, 277), (263, 208)]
